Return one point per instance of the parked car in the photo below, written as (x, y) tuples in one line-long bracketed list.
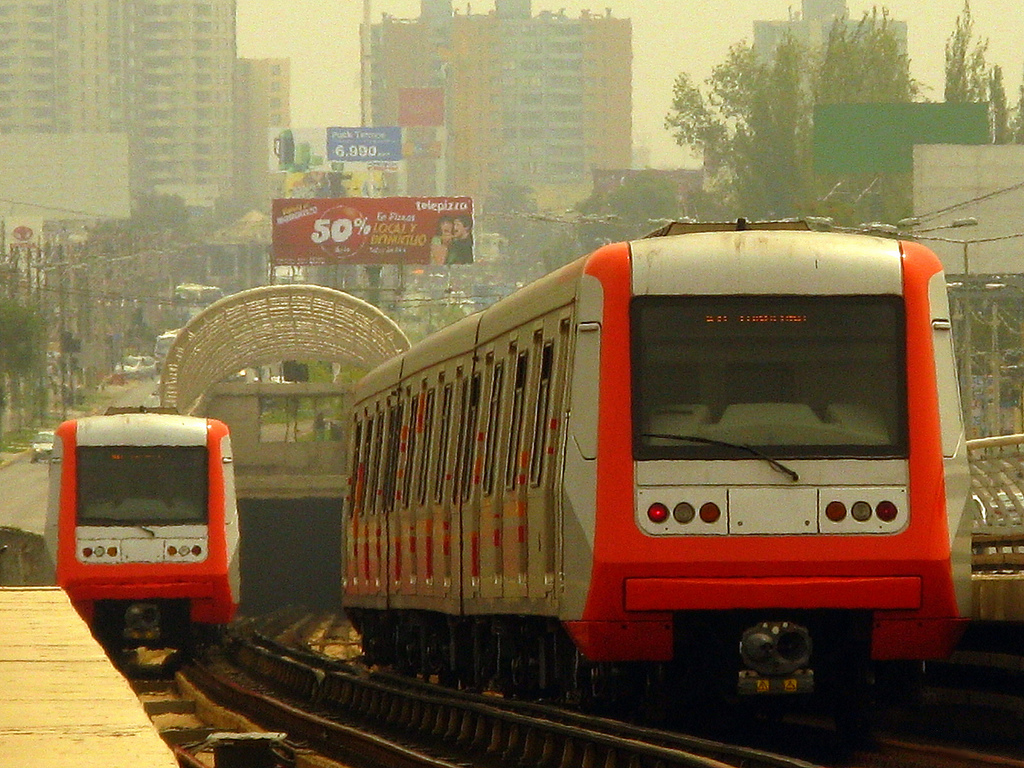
[(42, 446), (137, 367)]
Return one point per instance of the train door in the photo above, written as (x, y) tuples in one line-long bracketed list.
[(513, 534), (406, 576), (466, 481), (350, 546), (488, 496), (392, 528), (550, 343), (444, 522), (375, 519), (422, 500)]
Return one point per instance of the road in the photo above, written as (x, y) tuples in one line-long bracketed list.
[(23, 485)]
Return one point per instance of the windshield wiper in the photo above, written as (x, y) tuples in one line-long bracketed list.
[(774, 463), (148, 530)]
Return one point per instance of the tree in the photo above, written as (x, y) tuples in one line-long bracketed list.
[(631, 209), (969, 78), (966, 69), (22, 348), (754, 122)]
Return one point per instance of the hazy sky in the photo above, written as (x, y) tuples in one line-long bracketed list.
[(321, 37)]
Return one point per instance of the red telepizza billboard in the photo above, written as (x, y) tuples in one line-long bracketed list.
[(372, 230)]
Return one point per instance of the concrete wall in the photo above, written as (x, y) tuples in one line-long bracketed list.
[(269, 461), (954, 181), (23, 560)]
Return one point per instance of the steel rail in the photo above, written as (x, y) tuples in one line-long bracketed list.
[(486, 727)]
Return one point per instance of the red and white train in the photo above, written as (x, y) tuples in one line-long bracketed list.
[(142, 526), (721, 458)]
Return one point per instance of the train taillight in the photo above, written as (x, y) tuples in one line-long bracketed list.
[(835, 511), (886, 511), (657, 512), (710, 512)]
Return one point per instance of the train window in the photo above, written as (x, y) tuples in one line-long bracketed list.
[(442, 444), (357, 438), (410, 449), (467, 441), (540, 422), (493, 427), (370, 462), (424, 457), (142, 485), (793, 376), (390, 461), (515, 431)]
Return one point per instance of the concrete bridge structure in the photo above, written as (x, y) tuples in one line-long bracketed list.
[(288, 436)]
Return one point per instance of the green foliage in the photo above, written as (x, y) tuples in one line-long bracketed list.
[(22, 340), (969, 79), (633, 208), (753, 120), (966, 68)]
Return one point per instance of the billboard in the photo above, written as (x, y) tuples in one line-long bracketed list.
[(301, 150), (420, 107), (365, 145), (880, 138), (372, 230)]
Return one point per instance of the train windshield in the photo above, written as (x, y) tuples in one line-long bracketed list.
[(142, 485), (789, 376)]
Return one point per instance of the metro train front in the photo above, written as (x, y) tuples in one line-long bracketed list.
[(791, 476), (142, 527)]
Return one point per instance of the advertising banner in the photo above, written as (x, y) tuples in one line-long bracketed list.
[(366, 145), (302, 150), (373, 230), (420, 106)]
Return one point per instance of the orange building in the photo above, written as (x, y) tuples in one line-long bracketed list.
[(534, 100)]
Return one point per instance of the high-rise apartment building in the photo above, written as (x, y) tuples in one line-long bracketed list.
[(262, 101), (812, 26), (160, 72), (532, 100)]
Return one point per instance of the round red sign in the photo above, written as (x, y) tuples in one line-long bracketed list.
[(22, 233)]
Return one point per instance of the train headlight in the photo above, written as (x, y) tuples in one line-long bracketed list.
[(860, 511), (683, 512), (657, 512)]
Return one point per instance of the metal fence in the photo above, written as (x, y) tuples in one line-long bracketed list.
[(997, 488)]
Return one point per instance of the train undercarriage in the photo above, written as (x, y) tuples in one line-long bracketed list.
[(752, 661)]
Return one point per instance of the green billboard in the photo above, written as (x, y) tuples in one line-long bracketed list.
[(880, 138)]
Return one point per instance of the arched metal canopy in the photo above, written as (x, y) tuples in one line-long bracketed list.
[(271, 324)]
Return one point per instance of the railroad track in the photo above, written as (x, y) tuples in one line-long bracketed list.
[(298, 680)]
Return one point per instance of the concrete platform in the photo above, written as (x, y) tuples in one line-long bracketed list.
[(63, 702)]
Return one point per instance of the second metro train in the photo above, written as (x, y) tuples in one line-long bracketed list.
[(142, 526), (721, 458)]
